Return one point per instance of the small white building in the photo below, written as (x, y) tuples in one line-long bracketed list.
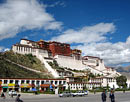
[(106, 81), (26, 84), (77, 84)]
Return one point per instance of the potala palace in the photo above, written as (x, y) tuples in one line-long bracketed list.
[(64, 55), (69, 59)]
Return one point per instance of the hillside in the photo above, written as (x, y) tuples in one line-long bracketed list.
[(13, 65), (124, 71), (126, 74)]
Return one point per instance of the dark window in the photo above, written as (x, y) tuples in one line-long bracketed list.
[(42, 82), (51, 82), (55, 82), (27, 81), (16, 81), (33, 81), (59, 82), (5, 81), (11, 81), (64, 82), (37, 82), (22, 81)]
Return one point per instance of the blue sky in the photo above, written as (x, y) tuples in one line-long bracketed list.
[(97, 27)]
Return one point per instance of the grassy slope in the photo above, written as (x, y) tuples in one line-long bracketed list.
[(26, 60), (10, 70)]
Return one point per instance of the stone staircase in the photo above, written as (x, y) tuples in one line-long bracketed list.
[(50, 69)]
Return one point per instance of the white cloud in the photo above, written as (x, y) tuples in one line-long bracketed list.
[(3, 49), (113, 54), (86, 34), (20, 15), (93, 41), (128, 41), (6, 49)]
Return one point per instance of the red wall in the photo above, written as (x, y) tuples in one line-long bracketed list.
[(59, 49)]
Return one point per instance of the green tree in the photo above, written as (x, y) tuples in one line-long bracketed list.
[(121, 81), (85, 87), (55, 63), (69, 88), (91, 75), (107, 87)]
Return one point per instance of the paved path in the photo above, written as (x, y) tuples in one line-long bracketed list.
[(120, 97)]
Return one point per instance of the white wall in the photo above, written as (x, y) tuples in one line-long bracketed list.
[(113, 85), (101, 66), (30, 50), (128, 83), (69, 62), (26, 42)]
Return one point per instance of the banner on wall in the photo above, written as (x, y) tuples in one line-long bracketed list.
[(25, 86), (10, 85), (4, 85)]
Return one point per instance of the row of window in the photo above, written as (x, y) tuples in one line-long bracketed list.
[(76, 85), (79, 87), (33, 82), (100, 80), (25, 49), (111, 80)]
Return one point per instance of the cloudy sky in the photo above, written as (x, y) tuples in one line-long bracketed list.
[(97, 27)]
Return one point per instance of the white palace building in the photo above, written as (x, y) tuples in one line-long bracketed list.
[(68, 58)]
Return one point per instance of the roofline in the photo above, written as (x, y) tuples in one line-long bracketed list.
[(58, 43), (91, 57), (102, 77), (22, 45), (27, 40), (30, 79), (84, 82)]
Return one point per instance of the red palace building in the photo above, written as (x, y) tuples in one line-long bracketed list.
[(58, 48)]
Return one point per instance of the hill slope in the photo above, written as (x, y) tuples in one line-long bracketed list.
[(124, 71), (13, 65)]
